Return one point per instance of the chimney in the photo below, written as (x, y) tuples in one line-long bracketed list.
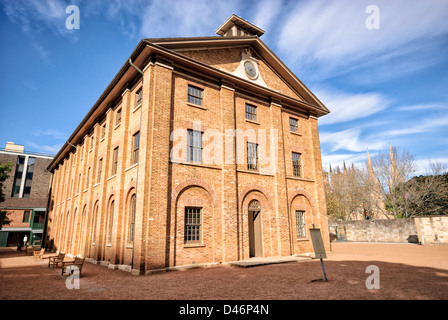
[(10, 146)]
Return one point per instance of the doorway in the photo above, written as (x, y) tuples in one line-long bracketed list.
[(255, 238)]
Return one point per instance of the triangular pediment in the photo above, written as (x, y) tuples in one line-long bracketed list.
[(230, 54)]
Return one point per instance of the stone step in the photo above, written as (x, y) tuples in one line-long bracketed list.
[(254, 262)]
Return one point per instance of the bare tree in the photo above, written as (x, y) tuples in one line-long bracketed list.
[(344, 193), (388, 190)]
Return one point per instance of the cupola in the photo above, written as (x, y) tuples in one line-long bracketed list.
[(238, 27)]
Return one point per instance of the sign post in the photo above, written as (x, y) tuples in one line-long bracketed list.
[(319, 249)]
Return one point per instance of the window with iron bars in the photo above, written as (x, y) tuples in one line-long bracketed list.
[(252, 156), (300, 223), (135, 147), (100, 170), (132, 209), (192, 232), (118, 117), (115, 161), (293, 125), (296, 164), (194, 141), (195, 95), (251, 112), (138, 98)]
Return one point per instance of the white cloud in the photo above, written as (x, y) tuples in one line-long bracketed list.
[(423, 165), (415, 107), (349, 140), (267, 11), (36, 17), (168, 18), (335, 160), (350, 106), (52, 149), (329, 35), (423, 125), (51, 133)]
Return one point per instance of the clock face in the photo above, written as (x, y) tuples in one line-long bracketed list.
[(250, 69)]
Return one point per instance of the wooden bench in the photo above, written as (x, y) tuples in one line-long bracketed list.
[(30, 250), (78, 263), (39, 254), (55, 260)]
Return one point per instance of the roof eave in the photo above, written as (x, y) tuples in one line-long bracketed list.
[(67, 145), (219, 74)]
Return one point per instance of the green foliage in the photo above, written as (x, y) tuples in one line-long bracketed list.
[(5, 169), (429, 195)]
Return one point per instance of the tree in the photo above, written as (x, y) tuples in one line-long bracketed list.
[(388, 190), (428, 194), (344, 191), (5, 169)]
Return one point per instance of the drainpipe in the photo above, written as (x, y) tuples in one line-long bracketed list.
[(71, 144), (47, 211), (138, 164)]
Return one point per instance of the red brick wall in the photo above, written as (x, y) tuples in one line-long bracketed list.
[(164, 189)]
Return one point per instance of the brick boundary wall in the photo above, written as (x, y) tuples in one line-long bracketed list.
[(423, 230)]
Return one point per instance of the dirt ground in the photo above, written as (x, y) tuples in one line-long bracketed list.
[(406, 272)]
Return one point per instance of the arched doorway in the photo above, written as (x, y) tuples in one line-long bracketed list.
[(255, 235)]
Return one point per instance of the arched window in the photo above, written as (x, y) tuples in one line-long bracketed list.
[(111, 220), (254, 205), (72, 231), (131, 229), (81, 230), (66, 230), (94, 219)]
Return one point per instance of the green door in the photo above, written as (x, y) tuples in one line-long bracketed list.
[(3, 238)]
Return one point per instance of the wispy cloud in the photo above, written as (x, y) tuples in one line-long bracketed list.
[(185, 18), (347, 106), (55, 134), (423, 165), (334, 160), (415, 107), (423, 125), (328, 36), (267, 12), (350, 140), (36, 17), (52, 149)]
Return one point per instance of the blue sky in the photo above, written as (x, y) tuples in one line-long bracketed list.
[(386, 86)]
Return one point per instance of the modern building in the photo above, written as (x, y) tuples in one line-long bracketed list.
[(26, 192), (201, 150)]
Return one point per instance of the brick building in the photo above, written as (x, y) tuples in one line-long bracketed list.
[(26, 192), (201, 150)]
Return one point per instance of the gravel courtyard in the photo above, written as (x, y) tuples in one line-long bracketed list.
[(406, 272)]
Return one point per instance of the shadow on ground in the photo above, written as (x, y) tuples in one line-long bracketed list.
[(290, 281)]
